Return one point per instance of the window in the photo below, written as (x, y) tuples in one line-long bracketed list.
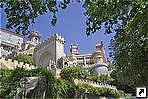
[(65, 63)]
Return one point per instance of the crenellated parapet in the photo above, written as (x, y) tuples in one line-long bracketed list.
[(12, 64), (59, 38), (94, 84), (50, 40)]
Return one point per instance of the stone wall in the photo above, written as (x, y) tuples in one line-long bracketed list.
[(10, 64), (94, 84)]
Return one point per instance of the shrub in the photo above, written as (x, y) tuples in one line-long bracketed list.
[(25, 58)]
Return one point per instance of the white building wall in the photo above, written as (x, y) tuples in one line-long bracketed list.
[(59, 50), (9, 39), (51, 49)]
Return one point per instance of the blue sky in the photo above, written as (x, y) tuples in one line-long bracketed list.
[(71, 25)]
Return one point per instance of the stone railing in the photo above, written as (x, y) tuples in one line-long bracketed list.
[(94, 84), (12, 64), (95, 65), (49, 40)]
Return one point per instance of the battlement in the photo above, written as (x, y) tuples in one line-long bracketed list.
[(55, 37), (95, 84), (10, 64)]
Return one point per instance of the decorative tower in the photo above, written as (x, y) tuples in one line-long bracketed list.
[(74, 49), (100, 48), (51, 49), (34, 37), (59, 42)]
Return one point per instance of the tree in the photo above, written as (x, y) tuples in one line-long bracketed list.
[(129, 19), (11, 83), (70, 73), (120, 85), (106, 79), (4, 81), (64, 89), (12, 80), (22, 13), (45, 86)]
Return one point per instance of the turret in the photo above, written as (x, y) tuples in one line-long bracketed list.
[(34, 37), (74, 49), (100, 48)]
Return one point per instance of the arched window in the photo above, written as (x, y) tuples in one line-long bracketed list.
[(36, 39)]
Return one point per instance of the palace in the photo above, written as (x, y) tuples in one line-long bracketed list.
[(97, 56), (50, 53)]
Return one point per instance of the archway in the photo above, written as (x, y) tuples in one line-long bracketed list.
[(45, 59)]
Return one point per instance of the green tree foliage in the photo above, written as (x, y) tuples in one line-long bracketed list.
[(4, 80), (68, 73), (101, 78), (64, 89), (120, 85), (11, 81), (129, 19), (45, 86), (93, 77), (71, 73), (25, 58), (48, 86), (106, 79), (22, 13)]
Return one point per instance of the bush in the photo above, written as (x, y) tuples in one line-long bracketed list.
[(25, 58), (68, 73), (101, 91), (13, 81)]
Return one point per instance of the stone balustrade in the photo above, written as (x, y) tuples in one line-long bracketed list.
[(10, 64), (95, 84)]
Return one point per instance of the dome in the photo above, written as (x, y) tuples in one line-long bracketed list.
[(85, 68), (34, 34), (101, 69)]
